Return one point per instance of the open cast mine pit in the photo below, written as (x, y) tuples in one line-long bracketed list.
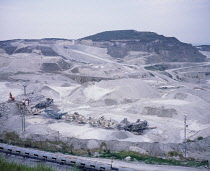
[(90, 98)]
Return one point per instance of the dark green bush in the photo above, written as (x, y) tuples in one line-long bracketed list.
[(200, 138)]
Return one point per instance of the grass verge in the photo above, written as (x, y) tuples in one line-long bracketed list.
[(13, 166), (135, 156)]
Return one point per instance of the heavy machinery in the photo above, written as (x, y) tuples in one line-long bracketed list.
[(102, 123), (137, 128), (77, 118), (11, 98), (51, 114), (44, 104)]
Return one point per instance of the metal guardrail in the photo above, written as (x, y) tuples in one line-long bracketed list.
[(82, 164)]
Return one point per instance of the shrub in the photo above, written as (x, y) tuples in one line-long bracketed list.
[(173, 153), (200, 138), (189, 140)]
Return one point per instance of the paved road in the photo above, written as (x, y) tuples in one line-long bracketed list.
[(115, 163)]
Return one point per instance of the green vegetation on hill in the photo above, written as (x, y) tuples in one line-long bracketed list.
[(123, 35)]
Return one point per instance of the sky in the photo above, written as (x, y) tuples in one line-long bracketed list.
[(187, 20)]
